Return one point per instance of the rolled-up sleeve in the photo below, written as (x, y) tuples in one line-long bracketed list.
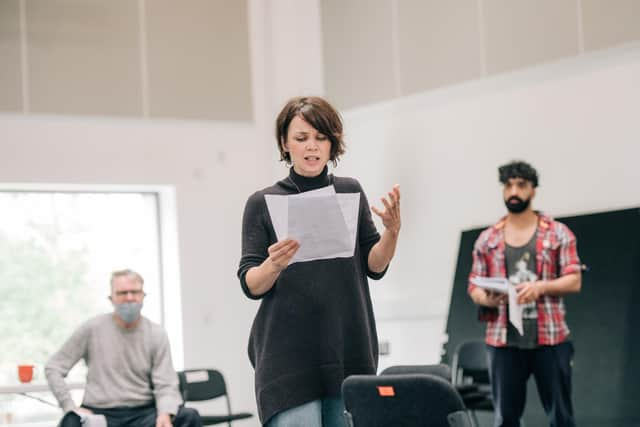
[(479, 264), (568, 260), (368, 234), (255, 240)]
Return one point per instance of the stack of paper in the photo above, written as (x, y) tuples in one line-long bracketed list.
[(324, 222), (503, 286)]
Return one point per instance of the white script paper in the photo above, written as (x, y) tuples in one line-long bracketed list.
[(503, 286), (317, 223), (322, 221), (493, 284), (515, 310)]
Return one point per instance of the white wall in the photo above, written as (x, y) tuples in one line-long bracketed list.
[(286, 44), (576, 121)]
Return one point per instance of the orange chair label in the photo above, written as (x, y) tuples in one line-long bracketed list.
[(386, 391)]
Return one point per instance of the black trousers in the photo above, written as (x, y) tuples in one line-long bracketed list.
[(135, 417), (510, 368)]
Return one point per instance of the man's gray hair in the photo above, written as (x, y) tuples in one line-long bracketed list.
[(126, 273)]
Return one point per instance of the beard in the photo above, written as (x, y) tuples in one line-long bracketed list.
[(516, 205)]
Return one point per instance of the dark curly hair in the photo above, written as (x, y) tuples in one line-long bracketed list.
[(318, 113), (518, 169)]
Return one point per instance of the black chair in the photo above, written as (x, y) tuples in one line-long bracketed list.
[(197, 385), (418, 400), (471, 394), (440, 370), (470, 375)]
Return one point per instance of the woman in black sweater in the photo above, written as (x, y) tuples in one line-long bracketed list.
[(315, 325)]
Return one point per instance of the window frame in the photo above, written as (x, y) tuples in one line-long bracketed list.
[(169, 259)]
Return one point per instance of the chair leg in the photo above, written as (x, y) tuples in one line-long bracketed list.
[(348, 419), (474, 418)]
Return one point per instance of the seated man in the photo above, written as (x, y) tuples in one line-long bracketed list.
[(130, 379)]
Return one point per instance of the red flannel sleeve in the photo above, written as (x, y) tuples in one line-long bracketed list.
[(479, 269), (568, 260), (479, 265)]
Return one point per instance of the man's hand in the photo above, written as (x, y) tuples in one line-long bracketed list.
[(83, 410), (164, 420), (529, 292), (487, 298), (494, 299)]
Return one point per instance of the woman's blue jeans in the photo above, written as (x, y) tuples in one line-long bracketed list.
[(327, 412)]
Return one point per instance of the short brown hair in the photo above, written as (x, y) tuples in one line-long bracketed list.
[(318, 113)]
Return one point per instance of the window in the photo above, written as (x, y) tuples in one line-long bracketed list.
[(57, 250)]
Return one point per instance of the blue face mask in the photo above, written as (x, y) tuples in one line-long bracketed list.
[(128, 311)]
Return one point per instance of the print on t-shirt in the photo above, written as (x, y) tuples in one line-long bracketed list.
[(522, 274)]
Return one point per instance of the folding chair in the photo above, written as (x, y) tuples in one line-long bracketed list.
[(198, 385), (470, 375), (440, 370)]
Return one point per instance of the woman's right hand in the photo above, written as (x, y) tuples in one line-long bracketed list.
[(261, 278), (280, 253)]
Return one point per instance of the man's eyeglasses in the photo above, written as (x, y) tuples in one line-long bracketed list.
[(135, 293)]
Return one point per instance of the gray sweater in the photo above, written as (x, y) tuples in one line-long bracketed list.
[(126, 368)]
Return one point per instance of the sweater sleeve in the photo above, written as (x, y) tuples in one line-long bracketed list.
[(368, 235), (163, 376), (255, 239), (59, 365)]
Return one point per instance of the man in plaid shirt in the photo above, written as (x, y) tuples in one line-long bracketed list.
[(540, 258)]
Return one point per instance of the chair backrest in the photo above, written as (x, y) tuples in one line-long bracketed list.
[(440, 370), (207, 384), (470, 360), (418, 400), (201, 384)]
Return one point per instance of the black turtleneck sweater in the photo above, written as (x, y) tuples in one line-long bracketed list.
[(315, 326)]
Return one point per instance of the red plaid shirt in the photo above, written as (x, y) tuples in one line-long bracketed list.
[(556, 255)]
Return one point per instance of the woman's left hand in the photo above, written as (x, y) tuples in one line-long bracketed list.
[(390, 216)]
